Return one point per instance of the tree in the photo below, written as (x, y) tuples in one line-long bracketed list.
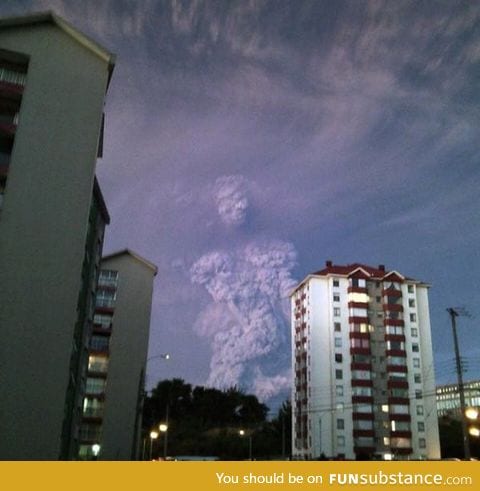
[(201, 420)]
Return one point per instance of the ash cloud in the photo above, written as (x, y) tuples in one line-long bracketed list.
[(230, 194), (247, 320)]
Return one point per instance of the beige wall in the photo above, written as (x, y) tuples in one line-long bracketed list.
[(42, 233), (128, 352)]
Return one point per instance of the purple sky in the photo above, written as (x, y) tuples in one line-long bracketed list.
[(249, 141)]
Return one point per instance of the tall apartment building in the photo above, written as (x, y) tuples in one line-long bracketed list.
[(53, 81), (118, 350), (363, 366)]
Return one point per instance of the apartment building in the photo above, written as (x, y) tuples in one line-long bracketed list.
[(112, 404), (53, 81), (448, 398), (362, 360)]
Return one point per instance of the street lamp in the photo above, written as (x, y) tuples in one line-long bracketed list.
[(471, 413), (95, 450), (473, 431), (242, 434), (164, 429), (153, 436), (142, 394)]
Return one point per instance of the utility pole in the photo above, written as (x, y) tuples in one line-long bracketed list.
[(454, 313)]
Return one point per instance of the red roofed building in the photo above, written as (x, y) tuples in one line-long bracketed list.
[(362, 359)]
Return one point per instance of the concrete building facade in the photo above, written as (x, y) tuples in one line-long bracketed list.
[(118, 351), (53, 82), (362, 360)]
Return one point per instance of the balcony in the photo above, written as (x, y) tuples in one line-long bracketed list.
[(362, 383), (13, 77), (393, 322), (93, 412), (391, 292), (390, 307), (357, 289)]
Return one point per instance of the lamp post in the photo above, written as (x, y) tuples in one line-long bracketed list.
[(153, 436), (164, 429), (142, 393), (242, 434), (454, 313)]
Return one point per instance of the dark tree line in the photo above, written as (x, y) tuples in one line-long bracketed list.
[(207, 422)]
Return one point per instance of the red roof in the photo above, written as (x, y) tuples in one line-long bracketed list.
[(335, 269)]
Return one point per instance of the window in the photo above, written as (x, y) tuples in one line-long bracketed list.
[(358, 297), (410, 288), (396, 360), (397, 392), (362, 408), (400, 425), (414, 332), (337, 326), (422, 443), (394, 330), (336, 283), (90, 431), (397, 376), (400, 442), (338, 357), (362, 328), (92, 407), (418, 394), (399, 409), (339, 374), (419, 410), (95, 386), (336, 312), (108, 277), (417, 377), (359, 343), (336, 297), (356, 358), (421, 426), (339, 406), (361, 391), (339, 390), (338, 342), (415, 347), (378, 299), (99, 343), (416, 362), (105, 298), (103, 321), (97, 364), (340, 440), (362, 424), (395, 345), (358, 282), (340, 424), (413, 317), (411, 302), (358, 312), (361, 374)]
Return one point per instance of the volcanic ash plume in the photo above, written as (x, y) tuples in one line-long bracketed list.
[(230, 196), (247, 319)]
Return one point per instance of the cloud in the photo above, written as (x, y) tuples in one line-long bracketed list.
[(247, 319), (230, 196)]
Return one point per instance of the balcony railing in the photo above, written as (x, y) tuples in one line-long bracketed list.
[(12, 76)]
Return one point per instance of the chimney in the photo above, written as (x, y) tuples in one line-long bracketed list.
[(328, 264), (381, 267)]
